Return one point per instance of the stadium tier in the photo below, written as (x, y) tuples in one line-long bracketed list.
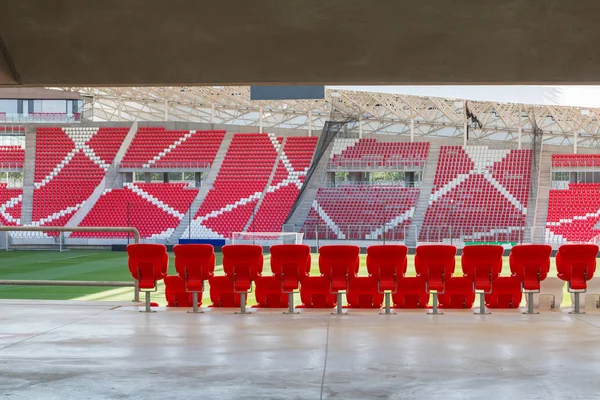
[(369, 153), (361, 212), (12, 157), (479, 194), (70, 163), (161, 148), (155, 209), (242, 178), (292, 165), (573, 213)]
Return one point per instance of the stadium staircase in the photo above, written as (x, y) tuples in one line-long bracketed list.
[(207, 184), (309, 195), (109, 181), (424, 193), (541, 196), (28, 176), (279, 148)]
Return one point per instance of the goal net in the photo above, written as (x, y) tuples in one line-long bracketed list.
[(266, 238), (10, 241)]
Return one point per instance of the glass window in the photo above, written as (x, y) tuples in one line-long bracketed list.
[(8, 106), (175, 176), (157, 177), (15, 179)]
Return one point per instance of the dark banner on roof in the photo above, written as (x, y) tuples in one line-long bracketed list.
[(287, 92)]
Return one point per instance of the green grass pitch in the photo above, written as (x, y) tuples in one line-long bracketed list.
[(104, 265)]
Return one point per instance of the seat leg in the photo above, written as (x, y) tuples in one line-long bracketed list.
[(291, 309), (482, 310), (243, 303), (195, 303), (339, 310), (434, 309), (530, 304), (576, 305), (147, 303), (388, 297)]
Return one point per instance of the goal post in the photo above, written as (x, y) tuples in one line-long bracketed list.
[(266, 238)]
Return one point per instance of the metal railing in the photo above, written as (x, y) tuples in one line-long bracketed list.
[(403, 184), (375, 165), (138, 166), (20, 282)]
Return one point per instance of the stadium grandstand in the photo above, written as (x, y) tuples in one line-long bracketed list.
[(205, 163)]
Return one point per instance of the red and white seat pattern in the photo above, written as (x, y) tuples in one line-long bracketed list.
[(361, 212), (10, 205), (368, 153), (12, 157), (562, 161), (70, 163), (160, 148), (573, 214), (155, 209), (293, 164), (239, 185), (479, 194)]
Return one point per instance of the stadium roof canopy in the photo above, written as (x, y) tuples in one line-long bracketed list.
[(238, 42), (371, 112)]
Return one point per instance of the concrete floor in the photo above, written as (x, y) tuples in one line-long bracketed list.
[(83, 350)]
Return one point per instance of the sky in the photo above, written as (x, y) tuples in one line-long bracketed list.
[(578, 96)]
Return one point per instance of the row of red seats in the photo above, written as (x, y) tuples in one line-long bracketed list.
[(339, 265)]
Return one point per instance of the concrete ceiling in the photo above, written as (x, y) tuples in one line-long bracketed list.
[(191, 42)]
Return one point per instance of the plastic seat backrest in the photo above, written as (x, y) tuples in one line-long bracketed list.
[(530, 263), (411, 293), (576, 264), (386, 264), (315, 292), (363, 293), (482, 264), (194, 263), (339, 264), (291, 264), (435, 264), (222, 293), (506, 293), (458, 293), (243, 263), (269, 294), (148, 263), (175, 293)]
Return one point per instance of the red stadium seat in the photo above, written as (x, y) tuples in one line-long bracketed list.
[(243, 264), (530, 264), (387, 265), (363, 293), (194, 263), (435, 264), (222, 293), (506, 294), (339, 264), (176, 294), (458, 293), (411, 293), (576, 264), (315, 292), (269, 294), (148, 263), (290, 263), (482, 264)]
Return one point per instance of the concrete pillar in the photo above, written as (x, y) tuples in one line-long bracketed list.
[(309, 122), (166, 110), (260, 119), (198, 178), (412, 126), (360, 131), (166, 177), (212, 113), (465, 127), (147, 177), (119, 107), (575, 139), (520, 126)]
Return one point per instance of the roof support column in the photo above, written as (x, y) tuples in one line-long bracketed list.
[(212, 113), (166, 110), (412, 126), (520, 125), (119, 107), (309, 122), (465, 127), (260, 119), (360, 132), (575, 139)]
